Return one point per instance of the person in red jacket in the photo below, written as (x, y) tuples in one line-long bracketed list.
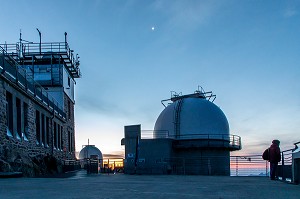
[(274, 157)]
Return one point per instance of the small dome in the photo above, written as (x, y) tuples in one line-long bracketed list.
[(191, 116), (90, 150)]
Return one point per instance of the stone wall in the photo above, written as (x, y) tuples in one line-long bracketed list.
[(24, 153)]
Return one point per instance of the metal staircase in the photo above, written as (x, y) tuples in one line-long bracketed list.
[(177, 113)]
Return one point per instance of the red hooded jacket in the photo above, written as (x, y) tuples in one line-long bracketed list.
[(274, 153)]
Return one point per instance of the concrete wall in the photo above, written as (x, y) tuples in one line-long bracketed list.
[(164, 156), (200, 161), (132, 138), (154, 156)]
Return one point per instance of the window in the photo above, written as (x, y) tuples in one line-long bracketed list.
[(43, 130), (72, 142), (9, 114), (69, 81), (69, 111), (25, 123), (58, 136), (69, 141), (61, 138), (38, 127), (55, 136), (19, 117), (47, 132)]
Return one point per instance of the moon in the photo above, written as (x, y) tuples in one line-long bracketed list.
[(152, 28)]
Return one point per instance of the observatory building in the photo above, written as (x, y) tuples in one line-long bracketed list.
[(91, 156), (37, 84), (90, 152), (191, 136)]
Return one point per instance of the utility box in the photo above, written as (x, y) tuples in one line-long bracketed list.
[(92, 166)]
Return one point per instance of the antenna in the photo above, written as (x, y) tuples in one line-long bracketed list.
[(20, 42), (40, 34), (20, 35), (66, 39)]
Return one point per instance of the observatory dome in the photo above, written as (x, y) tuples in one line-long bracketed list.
[(192, 115), (90, 150)]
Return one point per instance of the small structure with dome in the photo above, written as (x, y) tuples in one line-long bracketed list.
[(90, 152), (191, 136), (91, 155)]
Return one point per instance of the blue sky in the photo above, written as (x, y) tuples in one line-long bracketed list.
[(246, 52)]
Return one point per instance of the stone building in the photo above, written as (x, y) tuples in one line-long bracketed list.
[(37, 82)]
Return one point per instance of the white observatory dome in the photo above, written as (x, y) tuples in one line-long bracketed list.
[(90, 150), (192, 115)]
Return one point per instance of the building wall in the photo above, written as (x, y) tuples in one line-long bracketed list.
[(132, 138), (68, 85), (69, 127), (166, 156), (203, 161), (29, 142), (154, 156)]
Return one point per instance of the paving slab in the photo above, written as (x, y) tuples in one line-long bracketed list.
[(103, 186)]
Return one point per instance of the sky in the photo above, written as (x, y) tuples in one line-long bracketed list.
[(133, 53)]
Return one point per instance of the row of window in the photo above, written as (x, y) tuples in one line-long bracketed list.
[(42, 129), (42, 126), (21, 118)]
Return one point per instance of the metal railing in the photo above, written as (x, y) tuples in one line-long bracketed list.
[(59, 48), (254, 165), (285, 166), (10, 69), (227, 139), (71, 165), (154, 134)]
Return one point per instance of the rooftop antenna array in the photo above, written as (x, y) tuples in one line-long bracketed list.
[(200, 93)]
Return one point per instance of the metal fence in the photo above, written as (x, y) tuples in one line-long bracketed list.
[(59, 48), (254, 165), (71, 165), (285, 166), (226, 139)]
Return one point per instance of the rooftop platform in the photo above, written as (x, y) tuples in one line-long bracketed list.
[(81, 185), (38, 53)]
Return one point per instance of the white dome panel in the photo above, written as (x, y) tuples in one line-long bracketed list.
[(90, 150), (196, 116)]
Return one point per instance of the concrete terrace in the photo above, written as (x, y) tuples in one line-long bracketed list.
[(118, 186)]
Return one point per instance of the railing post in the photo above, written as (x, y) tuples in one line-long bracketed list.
[(283, 176), (3, 66)]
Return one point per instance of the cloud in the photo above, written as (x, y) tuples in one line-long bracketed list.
[(290, 12), (187, 14), (114, 155), (99, 105), (291, 9)]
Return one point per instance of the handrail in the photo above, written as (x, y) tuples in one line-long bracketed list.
[(61, 48), (243, 165), (233, 140), (18, 75)]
